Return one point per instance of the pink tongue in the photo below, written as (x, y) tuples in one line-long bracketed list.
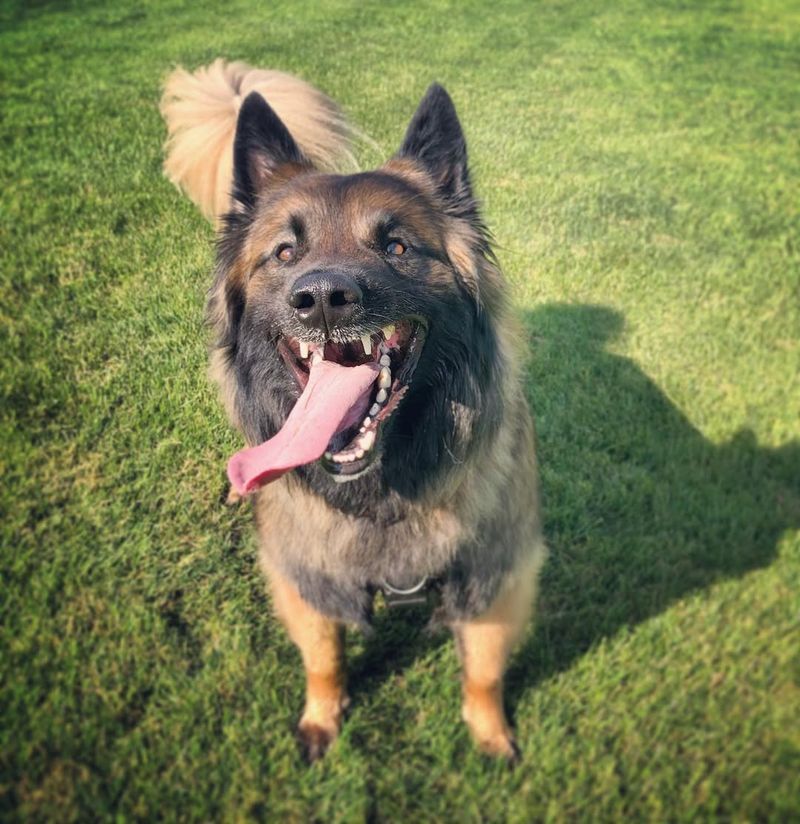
[(335, 398)]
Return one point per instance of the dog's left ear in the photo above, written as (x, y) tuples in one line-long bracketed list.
[(436, 141)]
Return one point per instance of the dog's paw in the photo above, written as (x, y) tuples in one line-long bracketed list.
[(488, 726), (321, 722), (501, 746), (315, 739)]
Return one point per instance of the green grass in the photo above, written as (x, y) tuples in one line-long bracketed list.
[(639, 165)]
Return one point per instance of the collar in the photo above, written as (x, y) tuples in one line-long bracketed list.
[(418, 595)]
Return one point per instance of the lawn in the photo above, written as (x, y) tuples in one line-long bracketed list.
[(640, 168)]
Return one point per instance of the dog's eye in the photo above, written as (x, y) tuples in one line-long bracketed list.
[(285, 252), (394, 247)]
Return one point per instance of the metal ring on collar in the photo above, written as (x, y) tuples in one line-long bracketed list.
[(411, 591)]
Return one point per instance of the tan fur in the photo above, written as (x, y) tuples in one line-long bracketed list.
[(201, 108), (485, 645), (219, 372), (320, 642)]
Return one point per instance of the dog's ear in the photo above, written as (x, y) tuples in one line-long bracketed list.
[(262, 150), (436, 141)]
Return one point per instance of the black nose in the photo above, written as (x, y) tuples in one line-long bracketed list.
[(324, 300)]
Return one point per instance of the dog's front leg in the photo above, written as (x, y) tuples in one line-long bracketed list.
[(484, 645), (321, 643)]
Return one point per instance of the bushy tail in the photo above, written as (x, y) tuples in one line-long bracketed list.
[(201, 110)]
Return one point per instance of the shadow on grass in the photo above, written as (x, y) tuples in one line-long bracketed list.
[(400, 638), (640, 508)]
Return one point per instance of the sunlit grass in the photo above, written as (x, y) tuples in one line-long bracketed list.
[(638, 163)]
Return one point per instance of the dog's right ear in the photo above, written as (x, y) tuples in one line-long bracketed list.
[(263, 149)]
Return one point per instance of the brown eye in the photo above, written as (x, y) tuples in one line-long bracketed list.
[(285, 252), (394, 247)]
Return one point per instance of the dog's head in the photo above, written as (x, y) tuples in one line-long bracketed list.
[(390, 267)]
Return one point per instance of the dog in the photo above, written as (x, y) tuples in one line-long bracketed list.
[(364, 346)]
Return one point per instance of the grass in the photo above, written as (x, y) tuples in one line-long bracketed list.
[(639, 166)]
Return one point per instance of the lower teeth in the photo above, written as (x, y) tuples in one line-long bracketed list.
[(366, 438)]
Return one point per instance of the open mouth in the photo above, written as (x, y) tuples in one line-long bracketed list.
[(394, 353)]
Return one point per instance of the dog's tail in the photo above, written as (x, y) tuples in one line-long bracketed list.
[(201, 109)]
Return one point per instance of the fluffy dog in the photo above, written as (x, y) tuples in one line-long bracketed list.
[(364, 347)]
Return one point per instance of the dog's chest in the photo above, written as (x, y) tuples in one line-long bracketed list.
[(297, 528)]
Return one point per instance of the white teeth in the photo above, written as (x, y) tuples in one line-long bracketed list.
[(367, 421), (366, 342), (381, 396), (303, 349), (374, 409), (317, 356), (385, 360), (356, 451), (388, 331), (384, 378)]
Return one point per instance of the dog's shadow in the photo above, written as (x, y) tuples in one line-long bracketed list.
[(640, 508)]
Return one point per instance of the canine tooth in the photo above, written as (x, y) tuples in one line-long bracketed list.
[(384, 378), (366, 342), (367, 421), (328, 455), (381, 396), (385, 360), (374, 409), (359, 454), (318, 355), (367, 440), (303, 349), (388, 331)]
